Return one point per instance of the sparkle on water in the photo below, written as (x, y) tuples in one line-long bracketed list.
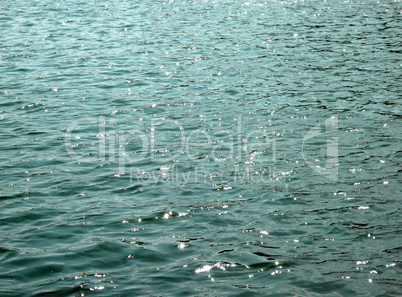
[(209, 148)]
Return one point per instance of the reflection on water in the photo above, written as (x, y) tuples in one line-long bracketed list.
[(201, 147)]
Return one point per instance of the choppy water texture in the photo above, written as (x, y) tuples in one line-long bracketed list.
[(200, 148)]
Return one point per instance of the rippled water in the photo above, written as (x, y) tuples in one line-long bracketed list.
[(200, 148)]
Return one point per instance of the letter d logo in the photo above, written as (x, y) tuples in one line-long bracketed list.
[(330, 170)]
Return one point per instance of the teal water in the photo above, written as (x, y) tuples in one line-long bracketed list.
[(200, 148)]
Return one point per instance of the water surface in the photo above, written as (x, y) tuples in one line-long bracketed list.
[(200, 148)]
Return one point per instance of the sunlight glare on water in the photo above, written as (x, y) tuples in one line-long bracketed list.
[(191, 148)]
